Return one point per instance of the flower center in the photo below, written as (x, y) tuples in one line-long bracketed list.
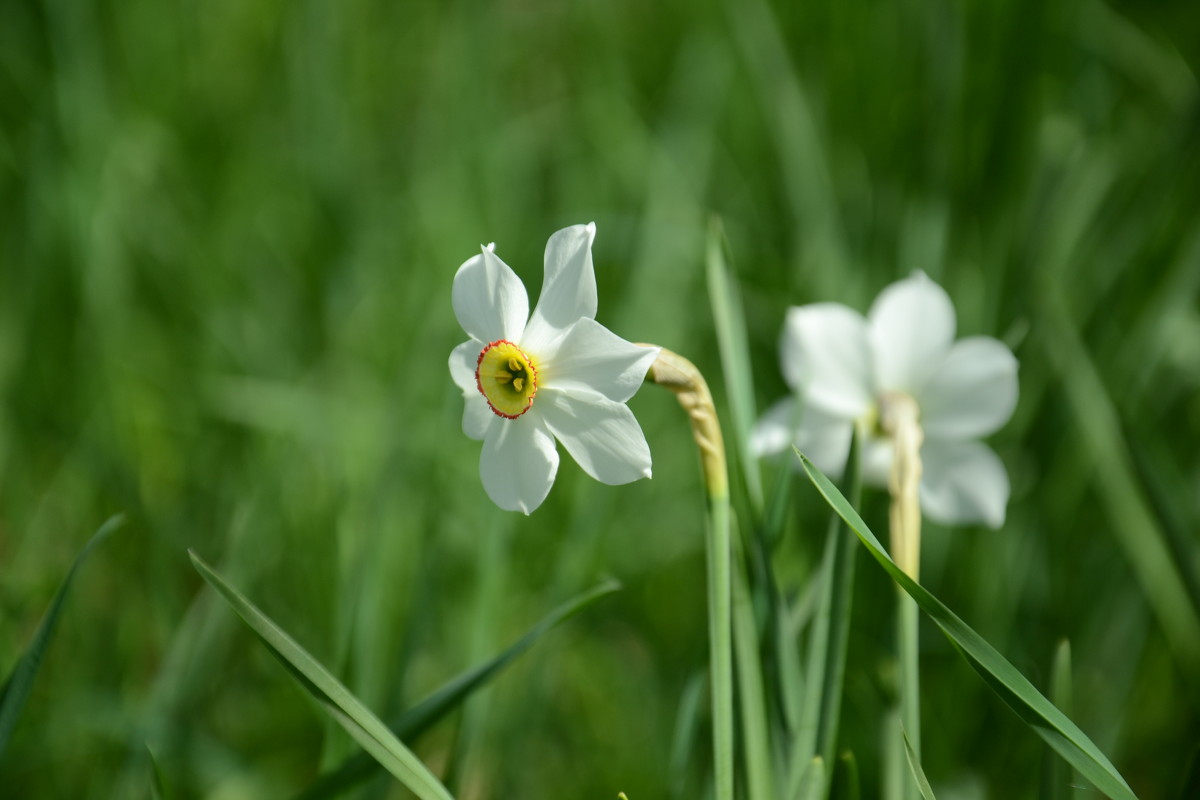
[(507, 378)]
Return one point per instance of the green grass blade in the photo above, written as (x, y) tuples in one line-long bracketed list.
[(1057, 777), (450, 695), (845, 778), (914, 766), (687, 728), (817, 732), (1014, 688), (19, 682), (812, 781), (720, 637), (357, 719), (760, 771), (1136, 530), (730, 324), (158, 783)]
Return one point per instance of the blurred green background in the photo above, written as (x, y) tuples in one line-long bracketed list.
[(228, 231)]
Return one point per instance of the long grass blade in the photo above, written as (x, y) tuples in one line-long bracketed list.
[(1057, 777), (1014, 688), (730, 326), (350, 713), (845, 778), (450, 695), (760, 771), (914, 766), (1134, 526), (817, 732), (19, 682), (812, 781)]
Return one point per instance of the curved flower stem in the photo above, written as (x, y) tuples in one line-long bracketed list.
[(677, 374), (900, 420)]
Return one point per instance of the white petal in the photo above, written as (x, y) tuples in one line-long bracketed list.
[(825, 439), (876, 460), (911, 329), (776, 429), (600, 434), (489, 299), (963, 483), (518, 463), (973, 392), (477, 415), (463, 360), (591, 357), (825, 357), (568, 288)]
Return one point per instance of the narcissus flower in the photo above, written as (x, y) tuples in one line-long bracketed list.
[(845, 369), (556, 374)]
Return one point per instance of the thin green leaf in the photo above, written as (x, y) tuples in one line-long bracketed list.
[(1057, 776), (450, 695), (760, 772), (19, 682), (687, 727), (914, 766), (720, 638), (1014, 688), (812, 781), (845, 778), (1143, 540), (730, 324), (356, 718), (817, 732), (158, 784)]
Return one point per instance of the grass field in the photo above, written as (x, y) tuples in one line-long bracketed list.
[(228, 240)]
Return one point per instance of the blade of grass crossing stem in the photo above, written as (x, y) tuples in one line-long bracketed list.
[(817, 732), (760, 772), (839, 602), (1057, 776), (19, 682), (357, 719), (914, 766), (730, 323), (812, 781), (443, 700), (1014, 688)]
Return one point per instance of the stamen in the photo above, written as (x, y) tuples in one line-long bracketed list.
[(507, 378)]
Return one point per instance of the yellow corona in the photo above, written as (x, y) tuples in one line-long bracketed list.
[(507, 378)]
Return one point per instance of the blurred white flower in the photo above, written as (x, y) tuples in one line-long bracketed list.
[(843, 369), (529, 379)]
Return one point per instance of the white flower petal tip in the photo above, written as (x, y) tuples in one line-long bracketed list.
[(528, 379), (840, 367), (911, 327)]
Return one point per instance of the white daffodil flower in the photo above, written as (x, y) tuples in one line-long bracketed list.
[(844, 368), (556, 374)]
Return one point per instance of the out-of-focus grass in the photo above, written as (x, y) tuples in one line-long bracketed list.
[(228, 234)]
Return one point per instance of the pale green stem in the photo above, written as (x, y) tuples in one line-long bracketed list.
[(673, 372), (900, 420)]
